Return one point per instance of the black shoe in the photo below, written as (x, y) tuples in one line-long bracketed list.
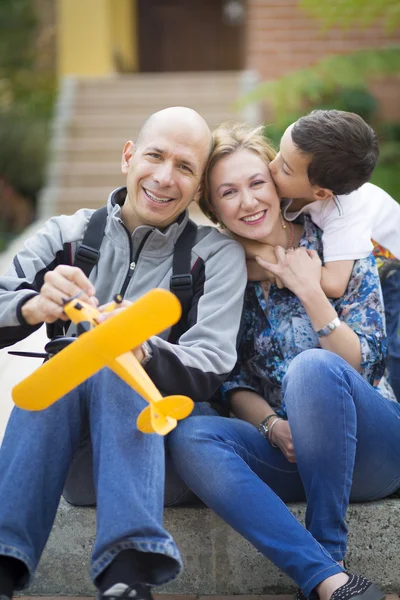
[(2, 597), (122, 591), (358, 588)]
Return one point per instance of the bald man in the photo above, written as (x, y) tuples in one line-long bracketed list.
[(132, 551)]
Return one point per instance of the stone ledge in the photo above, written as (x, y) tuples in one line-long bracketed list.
[(218, 561)]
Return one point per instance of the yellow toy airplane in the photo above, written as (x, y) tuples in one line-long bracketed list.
[(109, 344)]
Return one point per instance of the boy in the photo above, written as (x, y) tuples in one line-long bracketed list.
[(324, 162)]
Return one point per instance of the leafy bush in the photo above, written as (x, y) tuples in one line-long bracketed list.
[(26, 100)]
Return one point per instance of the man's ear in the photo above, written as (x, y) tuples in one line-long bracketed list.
[(197, 195), (320, 193), (127, 154)]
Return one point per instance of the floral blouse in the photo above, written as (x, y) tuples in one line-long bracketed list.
[(275, 331)]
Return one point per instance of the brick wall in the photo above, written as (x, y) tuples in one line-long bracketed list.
[(281, 37)]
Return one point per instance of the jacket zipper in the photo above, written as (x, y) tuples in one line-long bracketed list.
[(133, 259)]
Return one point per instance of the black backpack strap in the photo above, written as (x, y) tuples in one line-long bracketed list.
[(181, 283), (86, 256), (88, 253)]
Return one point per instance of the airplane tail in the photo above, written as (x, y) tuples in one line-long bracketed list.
[(161, 417)]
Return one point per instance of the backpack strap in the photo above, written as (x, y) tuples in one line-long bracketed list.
[(88, 253), (181, 282), (86, 256)]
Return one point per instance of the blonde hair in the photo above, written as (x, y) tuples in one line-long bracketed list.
[(227, 139)]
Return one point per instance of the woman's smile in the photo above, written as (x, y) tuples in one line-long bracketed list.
[(255, 218)]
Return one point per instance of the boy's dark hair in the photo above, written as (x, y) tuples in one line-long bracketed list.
[(343, 147)]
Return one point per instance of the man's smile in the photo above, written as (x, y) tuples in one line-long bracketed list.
[(155, 198)]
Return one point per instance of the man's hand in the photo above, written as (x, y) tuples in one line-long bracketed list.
[(111, 308), (59, 285), (281, 436)]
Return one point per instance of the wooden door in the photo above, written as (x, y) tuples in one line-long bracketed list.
[(188, 35)]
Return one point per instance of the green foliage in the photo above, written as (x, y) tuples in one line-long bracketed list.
[(359, 13), (296, 92), (23, 148), (26, 99), (387, 177), (17, 27)]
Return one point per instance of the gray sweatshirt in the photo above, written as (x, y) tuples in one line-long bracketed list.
[(133, 264)]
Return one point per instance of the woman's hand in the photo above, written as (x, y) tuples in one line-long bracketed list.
[(298, 269), (281, 436)]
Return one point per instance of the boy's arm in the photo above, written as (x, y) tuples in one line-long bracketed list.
[(335, 277)]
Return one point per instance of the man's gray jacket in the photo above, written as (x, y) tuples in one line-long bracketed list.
[(132, 265)]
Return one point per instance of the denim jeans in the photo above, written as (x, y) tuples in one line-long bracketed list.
[(128, 469), (347, 443), (79, 488), (391, 297)]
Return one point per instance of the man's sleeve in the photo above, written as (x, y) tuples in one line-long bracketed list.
[(41, 253), (206, 353)]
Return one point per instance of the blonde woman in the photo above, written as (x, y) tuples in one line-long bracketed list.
[(309, 379)]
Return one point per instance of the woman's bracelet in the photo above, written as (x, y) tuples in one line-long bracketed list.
[(270, 431), (327, 330)]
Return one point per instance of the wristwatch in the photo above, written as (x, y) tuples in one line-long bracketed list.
[(263, 426), (334, 324)]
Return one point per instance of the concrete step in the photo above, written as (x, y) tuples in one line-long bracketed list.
[(218, 560), (168, 80), (94, 126), (155, 100), (88, 148), (99, 174)]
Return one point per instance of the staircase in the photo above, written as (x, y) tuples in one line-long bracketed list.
[(94, 118)]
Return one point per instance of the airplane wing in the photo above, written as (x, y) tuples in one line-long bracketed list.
[(152, 313)]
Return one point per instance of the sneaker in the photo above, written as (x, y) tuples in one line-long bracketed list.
[(358, 588), (122, 591)]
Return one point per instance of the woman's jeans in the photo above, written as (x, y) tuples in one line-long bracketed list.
[(128, 474), (391, 297), (347, 443)]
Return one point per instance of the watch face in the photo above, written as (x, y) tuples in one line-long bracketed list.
[(263, 430)]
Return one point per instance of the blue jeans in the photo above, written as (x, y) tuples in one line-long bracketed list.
[(391, 298), (347, 444), (128, 474)]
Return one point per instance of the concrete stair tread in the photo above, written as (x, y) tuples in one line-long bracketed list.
[(218, 561), (170, 78), (128, 120)]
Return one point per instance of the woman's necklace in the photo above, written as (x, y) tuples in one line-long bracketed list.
[(267, 284), (291, 234)]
